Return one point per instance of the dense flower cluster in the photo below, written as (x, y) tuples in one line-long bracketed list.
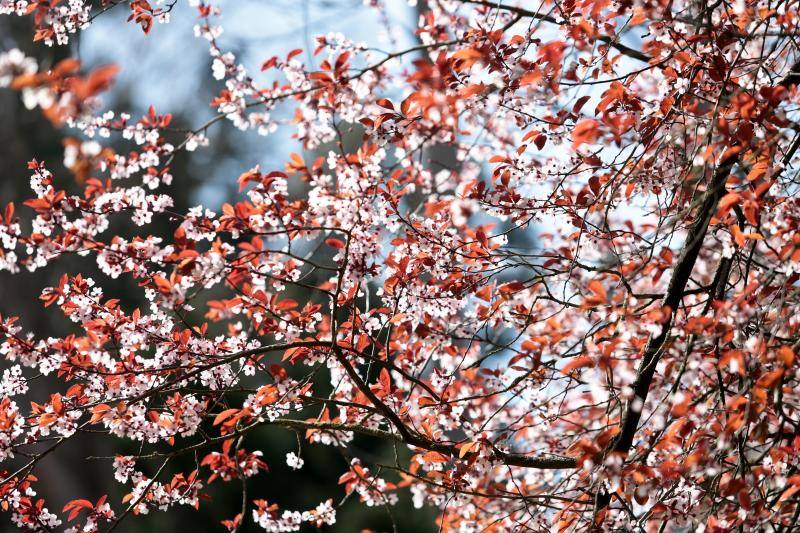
[(632, 366)]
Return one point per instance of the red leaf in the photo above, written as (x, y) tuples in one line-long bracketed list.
[(335, 243), (577, 362), (225, 415), (285, 305), (585, 131)]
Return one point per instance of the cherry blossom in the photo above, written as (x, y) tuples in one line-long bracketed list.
[(556, 272)]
